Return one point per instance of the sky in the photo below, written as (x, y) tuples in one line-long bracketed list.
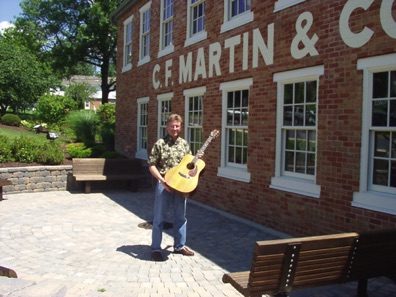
[(8, 10)]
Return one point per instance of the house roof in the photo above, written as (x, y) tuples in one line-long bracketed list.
[(120, 10)]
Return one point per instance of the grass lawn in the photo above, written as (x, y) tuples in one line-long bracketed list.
[(42, 137)]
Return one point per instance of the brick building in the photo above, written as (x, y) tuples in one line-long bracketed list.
[(303, 93)]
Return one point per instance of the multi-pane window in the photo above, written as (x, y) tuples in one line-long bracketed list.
[(383, 132), (194, 120), (235, 130), (377, 184), (299, 127), (238, 7), (164, 111), (127, 59), (296, 131), (197, 16), (167, 23), (282, 4), (236, 14), (142, 124), (145, 14)]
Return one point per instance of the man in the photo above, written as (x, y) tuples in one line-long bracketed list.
[(166, 153)]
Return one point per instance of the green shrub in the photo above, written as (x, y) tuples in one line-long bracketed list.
[(107, 125), (27, 125), (11, 120), (98, 151), (51, 154), (5, 149), (112, 155), (25, 149), (84, 123), (53, 109), (78, 150)]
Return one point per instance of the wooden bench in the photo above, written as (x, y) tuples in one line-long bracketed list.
[(87, 170), (3, 182), (285, 265)]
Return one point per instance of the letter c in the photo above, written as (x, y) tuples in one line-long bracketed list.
[(156, 83), (351, 39)]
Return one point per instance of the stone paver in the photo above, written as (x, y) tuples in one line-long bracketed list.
[(76, 244)]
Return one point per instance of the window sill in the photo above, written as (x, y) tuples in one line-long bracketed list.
[(145, 60), (295, 185), (196, 38), (127, 68), (236, 22), (142, 154), (233, 173), (166, 51), (375, 201)]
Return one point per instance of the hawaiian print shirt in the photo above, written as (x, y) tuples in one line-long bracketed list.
[(167, 153)]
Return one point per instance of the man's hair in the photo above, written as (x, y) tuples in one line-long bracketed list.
[(174, 117)]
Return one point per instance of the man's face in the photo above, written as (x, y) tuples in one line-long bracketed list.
[(173, 129)]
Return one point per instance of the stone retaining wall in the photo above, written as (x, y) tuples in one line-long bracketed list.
[(38, 178)]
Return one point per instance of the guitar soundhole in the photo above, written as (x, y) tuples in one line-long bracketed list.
[(190, 166)]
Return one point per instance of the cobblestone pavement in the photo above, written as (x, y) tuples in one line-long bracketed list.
[(76, 244)]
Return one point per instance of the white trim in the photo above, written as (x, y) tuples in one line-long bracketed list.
[(162, 97), (365, 198), (142, 10), (235, 173), (170, 48), (283, 4), (127, 67), (303, 186), (197, 37), (237, 21), (140, 154)]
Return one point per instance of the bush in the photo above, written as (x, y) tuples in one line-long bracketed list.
[(51, 154), (25, 149), (84, 123), (5, 149), (11, 120), (78, 150), (53, 109), (107, 128)]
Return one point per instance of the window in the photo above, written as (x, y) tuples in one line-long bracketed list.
[(236, 13), (142, 123), (295, 167), (164, 110), (145, 14), (166, 43), (377, 190), (194, 117), (127, 59), (195, 22), (282, 4), (234, 139)]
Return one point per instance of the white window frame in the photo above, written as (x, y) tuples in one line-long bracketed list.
[(144, 59), (239, 173), (283, 4), (163, 99), (197, 37), (307, 185), (188, 94), (127, 55), (165, 50), (367, 198), (236, 21), (141, 152)]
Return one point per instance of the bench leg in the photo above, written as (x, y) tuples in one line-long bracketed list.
[(362, 288), (87, 185)]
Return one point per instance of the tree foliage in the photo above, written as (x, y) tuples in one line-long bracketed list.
[(74, 31), (53, 109), (23, 78)]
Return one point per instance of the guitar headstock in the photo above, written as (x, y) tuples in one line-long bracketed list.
[(214, 133)]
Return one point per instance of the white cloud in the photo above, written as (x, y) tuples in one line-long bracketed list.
[(4, 25)]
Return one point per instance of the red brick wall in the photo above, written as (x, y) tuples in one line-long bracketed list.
[(339, 112)]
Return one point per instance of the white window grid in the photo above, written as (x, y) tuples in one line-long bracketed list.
[(127, 59), (164, 111)]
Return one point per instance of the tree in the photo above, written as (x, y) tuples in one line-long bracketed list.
[(74, 31), (80, 92), (22, 77)]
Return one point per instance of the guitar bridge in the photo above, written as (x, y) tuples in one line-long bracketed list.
[(184, 175)]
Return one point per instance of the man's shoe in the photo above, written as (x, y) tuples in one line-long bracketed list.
[(184, 251), (157, 256)]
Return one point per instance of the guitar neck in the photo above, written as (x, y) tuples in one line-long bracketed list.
[(202, 149)]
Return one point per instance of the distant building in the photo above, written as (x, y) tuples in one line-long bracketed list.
[(303, 93), (96, 98)]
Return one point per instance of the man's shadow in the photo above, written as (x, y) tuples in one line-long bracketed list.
[(141, 251)]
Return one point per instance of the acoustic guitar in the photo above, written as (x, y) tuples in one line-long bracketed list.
[(184, 177)]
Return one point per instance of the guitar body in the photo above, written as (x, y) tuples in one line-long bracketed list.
[(184, 177)]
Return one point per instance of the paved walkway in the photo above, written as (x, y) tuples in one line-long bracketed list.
[(75, 244)]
